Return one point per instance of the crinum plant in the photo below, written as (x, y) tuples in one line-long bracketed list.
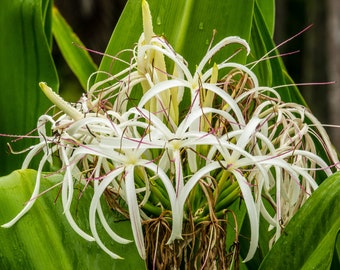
[(172, 150)]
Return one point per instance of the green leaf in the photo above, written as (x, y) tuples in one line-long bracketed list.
[(43, 239), (271, 72), (267, 8), (72, 49), (309, 239), (186, 25), (336, 254), (259, 48), (25, 61), (47, 20)]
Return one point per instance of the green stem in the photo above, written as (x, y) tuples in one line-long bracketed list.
[(159, 197), (152, 209), (233, 193)]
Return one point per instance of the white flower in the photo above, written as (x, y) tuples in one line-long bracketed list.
[(152, 155)]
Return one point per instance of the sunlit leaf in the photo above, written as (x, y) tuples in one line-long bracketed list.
[(72, 49), (336, 254), (187, 25), (43, 239), (267, 8), (25, 60), (309, 239)]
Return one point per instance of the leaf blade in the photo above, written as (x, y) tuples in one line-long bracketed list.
[(185, 24), (44, 230), (72, 49), (310, 236), (25, 61)]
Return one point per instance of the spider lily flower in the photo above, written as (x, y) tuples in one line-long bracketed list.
[(165, 165)]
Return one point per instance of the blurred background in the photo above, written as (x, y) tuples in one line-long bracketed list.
[(318, 60)]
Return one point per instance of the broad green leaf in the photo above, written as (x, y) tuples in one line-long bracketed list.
[(336, 254), (267, 8), (43, 239), (25, 61), (309, 239), (271, 72), (47, 20), (259, 49), (72, 49), (187, 25)]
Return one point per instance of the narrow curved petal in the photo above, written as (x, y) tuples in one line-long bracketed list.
[(136, 222), (95, 202), (34, 195)]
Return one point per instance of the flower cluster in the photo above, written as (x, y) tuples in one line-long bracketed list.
[(182, 146)]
